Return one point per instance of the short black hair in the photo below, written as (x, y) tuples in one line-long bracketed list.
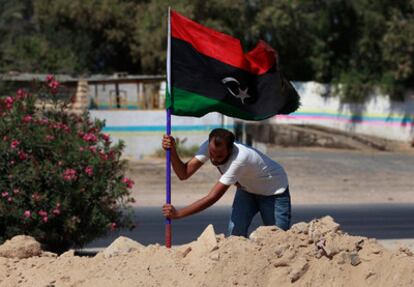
[(222, 136)]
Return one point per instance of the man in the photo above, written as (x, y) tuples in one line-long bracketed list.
[(262, 184)]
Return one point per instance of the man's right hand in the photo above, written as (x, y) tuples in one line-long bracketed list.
[(168, 142), (182, 170), (170, 212)]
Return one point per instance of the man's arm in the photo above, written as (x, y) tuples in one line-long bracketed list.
[(215, 194), (181, 169)]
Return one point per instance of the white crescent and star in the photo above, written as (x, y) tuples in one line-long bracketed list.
[(242, 95)]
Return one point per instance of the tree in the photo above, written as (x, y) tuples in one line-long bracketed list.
[(71, 37), (14, 24), (361, 44), (382, 52), (398, 49)]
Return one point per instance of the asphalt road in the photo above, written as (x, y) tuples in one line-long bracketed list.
[(381, 221)]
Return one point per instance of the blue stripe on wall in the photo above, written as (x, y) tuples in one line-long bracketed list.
[(356, 118), (162, 128)]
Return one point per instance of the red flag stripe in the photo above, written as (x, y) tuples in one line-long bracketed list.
[(223, 47)]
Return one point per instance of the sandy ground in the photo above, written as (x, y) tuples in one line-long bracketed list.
[(309, 254), (316, 176), (317, 253)]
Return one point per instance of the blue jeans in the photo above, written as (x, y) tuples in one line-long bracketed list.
[(274, 209)]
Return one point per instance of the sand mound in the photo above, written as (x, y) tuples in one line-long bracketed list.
[(317, 253)]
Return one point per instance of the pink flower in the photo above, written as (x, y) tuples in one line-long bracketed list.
[(113, 226), (20, 94), (130, 183), (4, 194), (56, 211), (92, 149), (5, 138), (14, 144), (81, 149), (60, 126), (27, 214), (22, 155), (49, 137), (49, 78), (89, 137), (53, 84), (69, 174), (27, 118), (36, 196), (10, 199), (103, 155), (106, 137), (44, 121), (45, 219), (89, 170), (9, 102), (111, 154), (16, 191), (42, 213), (65, 128)]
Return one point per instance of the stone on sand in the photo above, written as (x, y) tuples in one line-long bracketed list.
[(300, 227), (320, 227), (205, 244), (122, 245), (264, 233), (20, 246), (207, 240)]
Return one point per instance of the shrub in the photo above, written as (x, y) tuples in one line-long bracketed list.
[(61, 178)]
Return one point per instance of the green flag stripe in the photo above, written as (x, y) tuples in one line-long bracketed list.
[(186, 103)]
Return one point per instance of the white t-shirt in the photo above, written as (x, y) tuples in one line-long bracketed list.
[(254, 171)]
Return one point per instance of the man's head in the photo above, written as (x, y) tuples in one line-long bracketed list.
[(220, 146)]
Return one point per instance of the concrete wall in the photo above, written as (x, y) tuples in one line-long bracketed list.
[(142, 130), (377, 117)]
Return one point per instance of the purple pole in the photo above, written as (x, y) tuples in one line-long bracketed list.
[(168, 183)]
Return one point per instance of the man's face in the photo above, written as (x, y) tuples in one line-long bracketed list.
[(218, 154)]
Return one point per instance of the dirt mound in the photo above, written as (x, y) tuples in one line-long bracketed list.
[(317, 253)]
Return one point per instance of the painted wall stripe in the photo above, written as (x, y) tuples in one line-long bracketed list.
[(347, 113), (162, 128), (364, 117), (349, 119)]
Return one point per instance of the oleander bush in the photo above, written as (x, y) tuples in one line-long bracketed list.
[(61, 179)]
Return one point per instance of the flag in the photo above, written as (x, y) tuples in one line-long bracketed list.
[(208, 71)]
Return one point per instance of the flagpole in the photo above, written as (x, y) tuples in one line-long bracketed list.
[(168, 184), (168, 229)]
